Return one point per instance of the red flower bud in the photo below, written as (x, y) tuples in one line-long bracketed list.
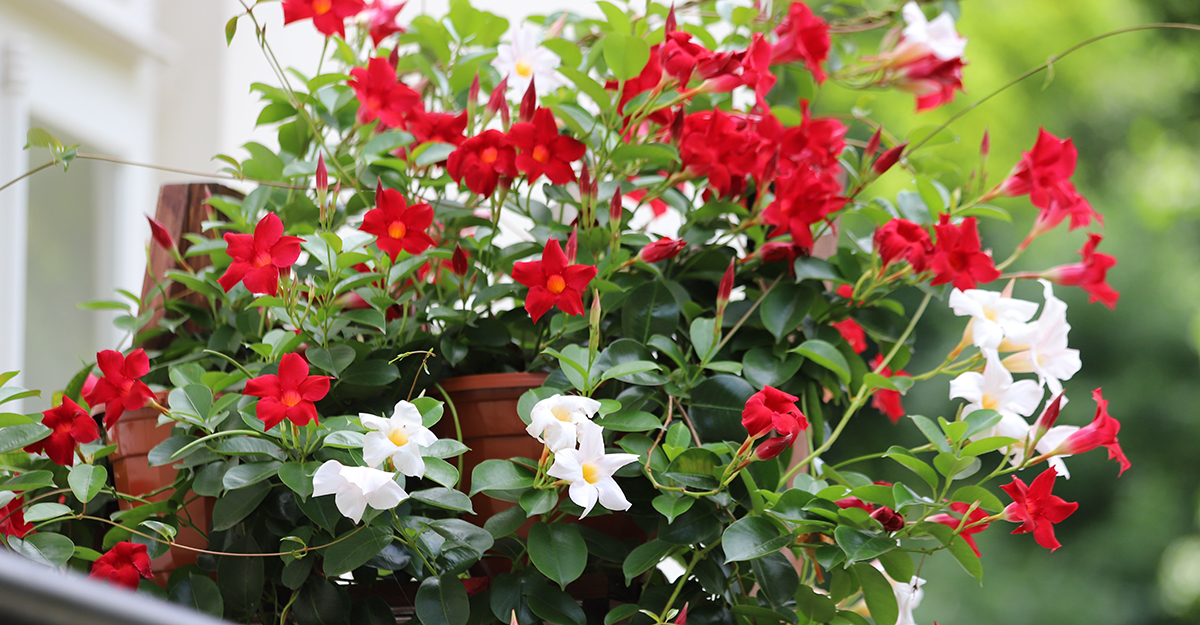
[(661, 249), (772, 447), (159, 233), (460, 261), (322, 174), (873, 144), (572, 245), (889, 519), (726, 287), (394, 57), (528, 103), (497, 100), (985, 145), (671, 27), (888, 158), (585, 182), (1049, 415), (615, 210), (473, 93)]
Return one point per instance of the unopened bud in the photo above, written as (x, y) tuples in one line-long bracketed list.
[(585, 183), (1048, 416), (725, 289), (555, 30), (322, 175), (873, 144), (888, 158), (671, 26), (159, 233), (615, 209), (772, 447), (528, 103), (677, 126), (889, 519), (661, 249), (985, 145), (572, 245), (682, 618), (460, 261)]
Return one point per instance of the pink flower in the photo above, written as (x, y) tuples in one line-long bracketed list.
[(1091, 274), (289, 395), (552, 281), (328, 16), (124, 565), (121, 388), (954, 523), (69, 426), (258, 258), (1036, 509)]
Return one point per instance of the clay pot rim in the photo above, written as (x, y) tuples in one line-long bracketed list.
[(487, 381)]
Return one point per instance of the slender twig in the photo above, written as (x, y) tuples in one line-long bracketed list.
[(27, 174), (302, 550)]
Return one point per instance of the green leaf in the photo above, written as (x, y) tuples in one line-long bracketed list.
[(230, 31), (353, 552), (535, 502), (716, 408), (86, 480), (785, 307), (629, 368), (18, 436), (914, 464), (199, 593), (827, 356), (971, 494), (898, 564), (695, 467), (658, 152), (442, 601), (29, 481), (818, 608), (983, 446), (444, 498), (980, 420), (567, 51), (249, 474), (441, 472), (371, 373), (862, 545), (505, 522), (499, 475), (237, 505), (752, 537), (334, 360), (644, 557), (298, 477), (621, 613), (8, 419), (955, 468), (558, 551), (555, 606), (240, 578), (703, 335), (616, 18), (44, 511), (931, 431), (629, 421), (650, 309), (672, 507), (625, 55), (44, 547), (878, 594)]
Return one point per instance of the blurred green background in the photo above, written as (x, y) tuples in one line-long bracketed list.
[(1131, 554)]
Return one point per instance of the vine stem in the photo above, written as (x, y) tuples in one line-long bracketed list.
[(696, 557), (219, 553), (1048, 65), (860, 398)]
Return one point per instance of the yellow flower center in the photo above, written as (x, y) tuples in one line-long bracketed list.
[(262, 259), (591, 474), (321, 7), (560, 413), (488, 155), (290, 398), (541, 154), (524, 68), (990, 402), (555, 284), (397, 230), (398, 437)]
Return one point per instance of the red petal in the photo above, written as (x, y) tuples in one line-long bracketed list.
[(112, 363), (239, 246), (267, 232), (538, 302), (233, 274), (314, 387), (264, 386), (529, 273), (137, 363), (578, 276), (270, 411), (302, 413), (293, 371), (553, 258), (263, 280), (570, 301), (285, 252)]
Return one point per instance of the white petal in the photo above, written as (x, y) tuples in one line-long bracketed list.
[(372, 422), (610, 495), (351, 503), (591, 441), (376, 448), (1023, 397), (328, 478), (408, 460), (584, 495), (387, 496), (968, 386), (406, 413), (567, 466), (609, 463)]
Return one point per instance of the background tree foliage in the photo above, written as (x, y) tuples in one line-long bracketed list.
[(1130, 103)]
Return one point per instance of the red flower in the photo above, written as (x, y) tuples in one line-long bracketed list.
[(957, 257), (814, 144), (328, 16), (1101, 432), (481, 160), (124, 565), (802, 199), (886, 400), (772, 409), (437, 127), (12, 519), (854, 502), (954, 523), (932, 80), (1036, 509), (159, 233), (899, 239), (69, 426), (802, 37), (661, 249), (853, 333), (382, 18), (1091, 274), (397, 225), (121, 388), (1044, 173), (543, 150), (257, 258), (289, 395), (720, 147), (889, 519), (649, 78), (680, 56), (380, 95), (553, 282)]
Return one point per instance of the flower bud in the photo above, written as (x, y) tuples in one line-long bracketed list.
[(497, 103), (725, 288), (555, 30), (888, 158), (873, 144), (1048, 416), (671, 26), (460, 261), (322, 175), (528, 103), (572, 245), (677, 126), (985, 145), (888, 518), (585, 183), (615, 209), (682, 618), (772, 447), (394, 57), (159, 233), (473, 92), (661, 249)]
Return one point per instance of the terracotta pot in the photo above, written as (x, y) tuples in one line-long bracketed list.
[(135, 434), (487, 413)]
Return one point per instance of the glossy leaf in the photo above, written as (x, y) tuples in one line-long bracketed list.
[(558, 551)]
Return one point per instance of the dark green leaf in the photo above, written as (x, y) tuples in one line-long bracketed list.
[(18, 436), (555, 606), (44, 547), (862, 545), (784, 307), (353, 552), (249, 474), (499, 475), (442, 601), (444, 498), (29, 481), (645, 557), (240, 578), (558, 551), (827, 356), (86, 480), (671, 507), (237, 505), (650, 309), (695, 467), (752, 537), (199, 593), (877, 592)]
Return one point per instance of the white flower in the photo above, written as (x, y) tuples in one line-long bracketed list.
[(938, 36), (399, 438), (555, 420), (994, 389), (590, 471), (1046, 352), (908, 595), (356, 487), (1051, 440), (526, 59), (992, 314)]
